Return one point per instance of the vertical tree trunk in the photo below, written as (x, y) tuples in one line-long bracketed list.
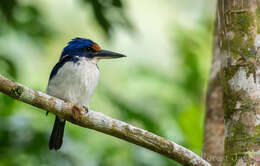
[(213, 147), (240, 78)]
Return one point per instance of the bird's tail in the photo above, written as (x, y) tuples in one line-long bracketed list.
[(56, 138)]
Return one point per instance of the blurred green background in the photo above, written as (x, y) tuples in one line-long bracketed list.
[(160, 86)]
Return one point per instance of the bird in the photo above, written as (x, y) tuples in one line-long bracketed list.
[(74, 79)]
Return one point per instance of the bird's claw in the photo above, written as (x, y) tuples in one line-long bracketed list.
[(77, 111), (85, 109)]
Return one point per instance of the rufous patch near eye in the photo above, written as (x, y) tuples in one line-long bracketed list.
[(96, 47)]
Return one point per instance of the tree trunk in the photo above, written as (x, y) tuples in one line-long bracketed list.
[(240, 77), (213, 147)]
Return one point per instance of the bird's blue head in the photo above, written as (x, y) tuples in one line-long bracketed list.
[(87, 48), (80, 47)]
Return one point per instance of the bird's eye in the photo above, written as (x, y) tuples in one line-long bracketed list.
[(88, 49)]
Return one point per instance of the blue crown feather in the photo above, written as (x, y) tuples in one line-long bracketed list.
[(76, 46)]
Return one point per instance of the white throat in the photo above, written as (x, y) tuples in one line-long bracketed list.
[(94, 60)]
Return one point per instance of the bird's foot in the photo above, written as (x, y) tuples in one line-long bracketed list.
[(77, 112)]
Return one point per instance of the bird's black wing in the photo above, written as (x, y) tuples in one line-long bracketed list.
[(61, 63)]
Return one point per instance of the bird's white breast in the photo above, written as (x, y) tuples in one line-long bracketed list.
[(75, 82)]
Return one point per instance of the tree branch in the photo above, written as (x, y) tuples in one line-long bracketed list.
[(100, 122), (213, 144)]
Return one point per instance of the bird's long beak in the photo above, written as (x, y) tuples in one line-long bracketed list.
[(105, 54)]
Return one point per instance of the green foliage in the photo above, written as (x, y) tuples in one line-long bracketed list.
[(8, 69), (103, 10), (194, 47), (22, 18), (187, 90), (173, 107)]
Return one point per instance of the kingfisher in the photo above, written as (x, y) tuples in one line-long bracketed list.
[(74, 78)]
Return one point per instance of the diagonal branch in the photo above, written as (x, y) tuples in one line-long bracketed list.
[(100, 122)]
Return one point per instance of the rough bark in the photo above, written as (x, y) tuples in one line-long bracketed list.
[(213, 144), (100, 122), (240, 78)]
